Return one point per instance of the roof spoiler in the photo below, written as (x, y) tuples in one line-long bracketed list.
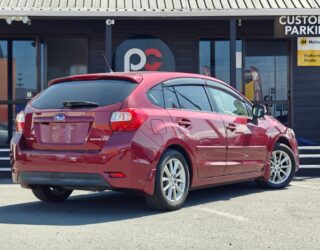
[(135, 78)]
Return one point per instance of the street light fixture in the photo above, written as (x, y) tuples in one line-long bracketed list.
[(23, 19), (9, 20)]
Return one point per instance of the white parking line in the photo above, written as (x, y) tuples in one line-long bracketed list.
[(305, 186), (8, 185), (220, 213)]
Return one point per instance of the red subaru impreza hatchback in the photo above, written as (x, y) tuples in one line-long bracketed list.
[(158, 134)]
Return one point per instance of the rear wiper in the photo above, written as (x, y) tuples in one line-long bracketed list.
[(78, 104)]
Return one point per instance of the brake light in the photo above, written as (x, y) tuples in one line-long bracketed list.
[(20, 120), (127, 119)]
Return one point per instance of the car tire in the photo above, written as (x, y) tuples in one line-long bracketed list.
[(172, 180), (51, 194), (282, 168)]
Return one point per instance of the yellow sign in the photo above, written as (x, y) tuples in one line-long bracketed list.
[(249, 90), (308, 51)]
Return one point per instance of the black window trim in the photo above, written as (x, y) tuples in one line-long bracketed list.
[(184, 81), (249, 111), (213, 105)]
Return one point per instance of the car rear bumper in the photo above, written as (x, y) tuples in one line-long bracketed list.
[(70, 180), (83, 170)]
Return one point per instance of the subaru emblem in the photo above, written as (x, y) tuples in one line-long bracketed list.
[(59, 117)]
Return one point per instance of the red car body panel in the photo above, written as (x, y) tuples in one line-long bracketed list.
[(216, 155)]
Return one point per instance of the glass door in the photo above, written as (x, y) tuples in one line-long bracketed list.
[(266, 78), (214, 59), (24, 70), (3, 92), (18, 82)]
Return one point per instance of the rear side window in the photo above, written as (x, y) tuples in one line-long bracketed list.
[(155, 95), (101, 92), (192, 98), (171, 100)]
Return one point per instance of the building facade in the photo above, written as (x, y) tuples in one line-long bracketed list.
[(268, 50)]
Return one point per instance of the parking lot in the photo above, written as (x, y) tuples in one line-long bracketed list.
[(239, 216)]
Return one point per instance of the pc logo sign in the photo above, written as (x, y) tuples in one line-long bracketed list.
[(149, 54), (143, 63)]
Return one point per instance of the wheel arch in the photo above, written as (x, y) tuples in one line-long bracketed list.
[(282, 139)]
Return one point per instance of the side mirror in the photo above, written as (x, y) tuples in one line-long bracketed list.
[(258, 111)]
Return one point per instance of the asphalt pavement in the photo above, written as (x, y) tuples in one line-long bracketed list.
[(239, 216)]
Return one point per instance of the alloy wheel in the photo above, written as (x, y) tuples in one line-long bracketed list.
[(173, 180), (280, 167)]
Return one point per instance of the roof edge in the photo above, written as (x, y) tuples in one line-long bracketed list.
[(4, 12)]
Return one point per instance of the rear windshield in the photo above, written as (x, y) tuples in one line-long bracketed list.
[(101, 92)]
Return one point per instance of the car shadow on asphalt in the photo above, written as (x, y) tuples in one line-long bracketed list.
[(94, 208), (307, 174)]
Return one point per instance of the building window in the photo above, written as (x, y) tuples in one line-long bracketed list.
[(66, 56), (24, 67), (266, 65), (214, 60), (266, 76)]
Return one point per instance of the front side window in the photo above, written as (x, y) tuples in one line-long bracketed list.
[(192, 98), (227, 103)]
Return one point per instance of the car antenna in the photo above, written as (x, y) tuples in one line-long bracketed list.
[(107, 64)]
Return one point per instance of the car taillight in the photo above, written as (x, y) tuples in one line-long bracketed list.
[(20, 120), (127, 119)]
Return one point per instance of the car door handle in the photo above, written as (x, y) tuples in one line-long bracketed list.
[(184, 123), (231, 127)]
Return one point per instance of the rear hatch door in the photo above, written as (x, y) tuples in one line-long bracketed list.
[(74, 115)]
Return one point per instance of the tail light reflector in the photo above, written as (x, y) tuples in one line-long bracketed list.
[(116, 175), (20, 120), (127, 119)]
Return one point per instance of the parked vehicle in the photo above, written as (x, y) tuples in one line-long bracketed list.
[(159, 134)]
